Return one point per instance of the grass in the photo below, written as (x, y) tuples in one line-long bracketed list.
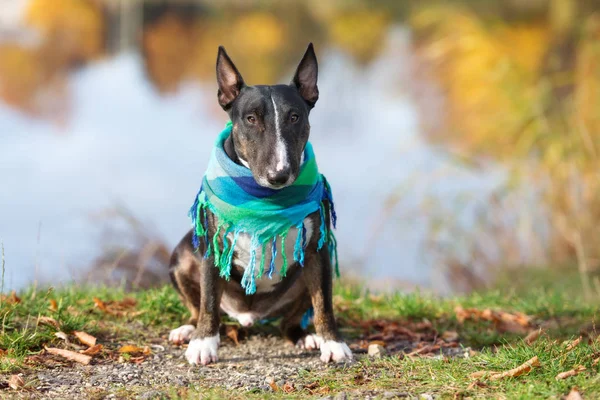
[(562, 316)]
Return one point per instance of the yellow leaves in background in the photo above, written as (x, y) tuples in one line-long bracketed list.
[(77, 24), (176, 50), (20, 75), (587, 83), (167, 46), (256, 39), (488, 74), (258, 33), (360, 33), (71, 32)]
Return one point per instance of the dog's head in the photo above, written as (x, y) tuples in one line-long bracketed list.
[(270, 123)]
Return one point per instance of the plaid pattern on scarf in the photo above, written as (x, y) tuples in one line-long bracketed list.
[(243, 206)]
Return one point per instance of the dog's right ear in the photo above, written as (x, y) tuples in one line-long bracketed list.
[(229, 79)]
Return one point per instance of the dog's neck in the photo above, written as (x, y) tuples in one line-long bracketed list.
[(229, 148)]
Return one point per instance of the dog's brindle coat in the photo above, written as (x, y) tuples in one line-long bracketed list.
[(270, 131)]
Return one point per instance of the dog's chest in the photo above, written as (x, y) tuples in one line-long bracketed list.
[(243, 255)]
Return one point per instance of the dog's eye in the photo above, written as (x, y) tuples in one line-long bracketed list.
[(294, 118), (251, 119)]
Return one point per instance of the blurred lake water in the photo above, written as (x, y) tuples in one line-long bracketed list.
[(124, 142)]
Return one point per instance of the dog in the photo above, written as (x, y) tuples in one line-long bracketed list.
[(270, 129)]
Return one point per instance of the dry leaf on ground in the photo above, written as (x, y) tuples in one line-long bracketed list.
[(533, 336), (70, 355), (288, 388), (48, 321), (123, 308), (573, 344), (520, 370), (131, 349), (595, 362), (92, 351), (481, 374), (514, 322), (61, 335), (16, 382), (573, 372), (85, 338), (476, 384), (232, 332), (53, 305), (12, 298), (274, 386), (450, 336), (574, 394)]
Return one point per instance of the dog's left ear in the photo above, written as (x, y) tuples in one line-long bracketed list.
[(305, 79)]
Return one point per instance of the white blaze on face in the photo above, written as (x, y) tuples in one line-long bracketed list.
[(280, 149)]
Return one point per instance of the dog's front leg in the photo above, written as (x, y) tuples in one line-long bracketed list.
[(205, 339), (318, 277)]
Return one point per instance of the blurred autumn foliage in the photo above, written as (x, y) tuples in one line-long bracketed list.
[(178, 45), (71, 33), (526, 93)]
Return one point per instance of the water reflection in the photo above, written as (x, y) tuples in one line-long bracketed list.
[(136, 129)]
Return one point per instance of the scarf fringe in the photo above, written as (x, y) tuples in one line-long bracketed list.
[(223, 255)]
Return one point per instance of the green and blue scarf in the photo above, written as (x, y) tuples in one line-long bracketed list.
[(241, 205)]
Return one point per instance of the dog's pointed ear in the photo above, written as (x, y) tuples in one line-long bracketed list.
[(305, 79), (229, 79)]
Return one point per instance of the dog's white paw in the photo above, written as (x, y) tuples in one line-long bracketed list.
[(183, 334), (310, 342), (335, 351), (203, 351)]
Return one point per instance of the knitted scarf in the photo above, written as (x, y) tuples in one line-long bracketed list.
[(241, 205)]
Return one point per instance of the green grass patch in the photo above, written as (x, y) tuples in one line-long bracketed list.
[(152, 312)]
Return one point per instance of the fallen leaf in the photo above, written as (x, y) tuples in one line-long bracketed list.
[(481, 374), (518, 371), (100, 304), (476, 384), (288, 388), (574, 394), (573, 372), (514, 322), (423, 350), (2, 352), (533, 336), (118, 308), (379, 342), (573, 344), (70, 355), (594, 363), (274, 386), (12, 298), (16, 382), (450, 336), (53, 305), (232, 333), (85, 338), (92, 351), (131, 349), (61, 335), (48, 321)]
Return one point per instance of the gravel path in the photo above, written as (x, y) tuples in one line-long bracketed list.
[(249, 366), (256, 364)]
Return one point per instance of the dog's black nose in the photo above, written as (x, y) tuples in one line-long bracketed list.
[(278, 177)]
